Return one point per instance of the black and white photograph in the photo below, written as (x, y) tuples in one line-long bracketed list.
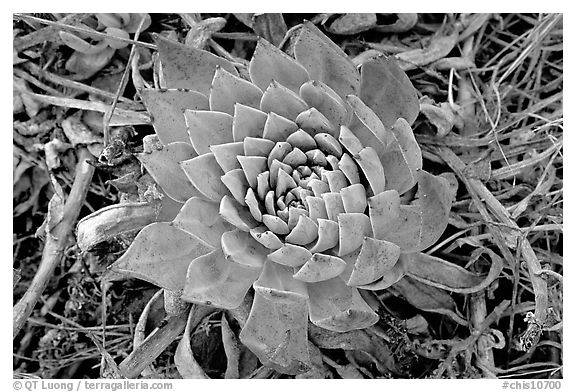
[(287, 196)]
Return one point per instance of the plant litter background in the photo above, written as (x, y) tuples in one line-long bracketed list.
[(490, 90)]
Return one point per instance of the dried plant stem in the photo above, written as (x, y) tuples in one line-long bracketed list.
[(64, 82), (56, 242), (159, 339), (482, 195), (478, 314), (121, 86), (84, 30), (122, 116)]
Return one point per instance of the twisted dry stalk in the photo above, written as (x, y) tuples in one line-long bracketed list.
[(56, 242)]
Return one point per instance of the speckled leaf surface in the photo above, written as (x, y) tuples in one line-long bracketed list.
[(386, 89), (160, 254), (187, 67), (276, 328), (167, 108), (164, 166)]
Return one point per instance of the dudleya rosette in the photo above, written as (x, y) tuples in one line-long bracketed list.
[(302, 180)]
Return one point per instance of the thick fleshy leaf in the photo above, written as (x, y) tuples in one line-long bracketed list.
[(290, 255), (337, 307), (353, 227), (275, 224), (295, 158), (301, 140), (167, 107), (184, 359), (328, 236), (284, 183), (305, 231), (277, 327), (334, 205), (164, 167), (328, 144), (252, 167), (267, 238), (325, 61), (383, 209), (200, 218), (228, 89), (278, 128), (160, 254), (239, 246), (376, 258), (437, 272), (212, 280), (187, 67), (418, 226), (235, 181), (320, 96), (354, 198), (236, 214), (349, 168), (247, 122), (320, 267), (257, 146), (207, 128), (427, 298), (253, 204), (312, 121), (204, 173), (387, 90), (373, 170), (226, 154), (283, 101), (336, 180), (393, 275), (280, 150), (350, 141), (402, 158), (270, 63), (316, 208)]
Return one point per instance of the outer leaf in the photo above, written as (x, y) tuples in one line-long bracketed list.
[(184, 357), (239, 246), (427, 298), (204, 172), (320, 96), (338, 307), (402, 158), (386, 89), (164, 167), (200, 218), (437, 272), (270, 63), (282, 101), (376, 258), (414, 227), (276, 330), (213, 280), (167, 108), (208, 128), (247, 122), (187, 67), (160, 254), (325, 61), (228, 90)]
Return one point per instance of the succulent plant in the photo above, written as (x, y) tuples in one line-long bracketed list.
[(301, 179)]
